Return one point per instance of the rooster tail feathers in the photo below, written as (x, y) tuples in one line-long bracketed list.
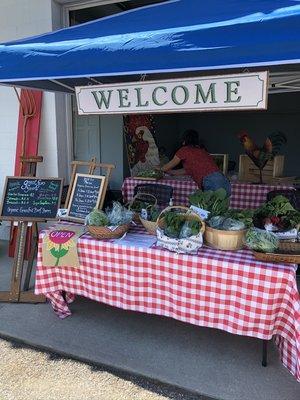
[(278, 136), (274, 142)]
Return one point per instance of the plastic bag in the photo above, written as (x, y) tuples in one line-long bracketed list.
[(186, 231), (261, 240), (216, 222), (230, 224), (226, 224), (119, 215)]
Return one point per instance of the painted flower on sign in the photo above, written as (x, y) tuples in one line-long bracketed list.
[(59, 242)]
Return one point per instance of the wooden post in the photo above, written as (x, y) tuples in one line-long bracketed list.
[(15, 294)]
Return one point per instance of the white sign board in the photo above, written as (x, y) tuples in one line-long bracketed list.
[(247, 91)]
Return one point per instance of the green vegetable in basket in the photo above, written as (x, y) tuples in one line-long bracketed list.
[(261, 240), (138, 205), (153, 213), (97, 218), (173, 224), (245, 216), (216, 202), (118, 214), (216, 222), (232, 225), (291, 219), (178, 226), (278, 209), (226, 224), (278, 206), (189, 228), (150, 173)]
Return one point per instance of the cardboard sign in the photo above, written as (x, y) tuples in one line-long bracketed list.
[(86, 195), (59, 248), (30, 199)]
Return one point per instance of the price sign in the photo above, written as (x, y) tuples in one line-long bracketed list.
[(30, 199), (86, 195)]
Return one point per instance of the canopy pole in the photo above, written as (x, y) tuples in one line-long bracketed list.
[(95, 80), (62, 84)]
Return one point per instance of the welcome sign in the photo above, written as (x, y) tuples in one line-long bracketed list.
[(247, 91)]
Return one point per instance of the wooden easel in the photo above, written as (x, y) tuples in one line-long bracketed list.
[(29, 165), (29, 208), (16, 294), (92, 166)]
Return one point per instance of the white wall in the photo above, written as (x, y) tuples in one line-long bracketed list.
[(19, 19)]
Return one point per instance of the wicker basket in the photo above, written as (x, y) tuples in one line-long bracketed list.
[(189, 215), (288, 252), (150, 226), (224, 240), (103, 232), (189, 245), (140, 196)]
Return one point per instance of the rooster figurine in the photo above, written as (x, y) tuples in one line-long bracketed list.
[(261, 155)]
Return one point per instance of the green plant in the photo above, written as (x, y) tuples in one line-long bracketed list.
[(245, 216), (216, 202), (178, 225), (279, 212)]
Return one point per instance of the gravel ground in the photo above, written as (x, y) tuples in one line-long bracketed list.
[(26, 374)]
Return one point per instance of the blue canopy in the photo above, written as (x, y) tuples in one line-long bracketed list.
[(173, 36)]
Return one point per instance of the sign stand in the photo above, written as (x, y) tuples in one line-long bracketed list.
[(92, 166), (15, 294), (27, 200), (32, 255)]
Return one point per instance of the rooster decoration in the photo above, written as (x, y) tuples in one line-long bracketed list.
[(261, 155)]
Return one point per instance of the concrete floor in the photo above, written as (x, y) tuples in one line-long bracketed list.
[(200, 360)]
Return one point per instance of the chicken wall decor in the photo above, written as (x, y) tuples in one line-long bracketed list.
[(261, 155)]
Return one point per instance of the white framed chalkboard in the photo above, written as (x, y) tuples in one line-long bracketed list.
[(30, 198), (86, 194)]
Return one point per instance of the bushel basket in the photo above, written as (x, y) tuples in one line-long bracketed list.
[(224, 240)]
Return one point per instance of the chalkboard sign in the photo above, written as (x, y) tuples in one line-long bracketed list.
[(30, 199), (86, 194)]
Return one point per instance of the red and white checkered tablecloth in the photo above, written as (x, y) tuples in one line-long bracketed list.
[(226, 290), (243, 195), (247, 195)]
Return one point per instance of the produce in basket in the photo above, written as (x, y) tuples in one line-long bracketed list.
[(96, 218), (138, 205), (152, 213), (245, 216), (178, 226), (226, 224), (261, 240), (116, 216), (150, 173), (189, 228), (216, 202), (277, 214)]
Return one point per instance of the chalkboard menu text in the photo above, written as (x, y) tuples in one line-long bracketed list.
[(30, 199), (86, 194)]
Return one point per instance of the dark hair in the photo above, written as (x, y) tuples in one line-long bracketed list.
[(191, 138)]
